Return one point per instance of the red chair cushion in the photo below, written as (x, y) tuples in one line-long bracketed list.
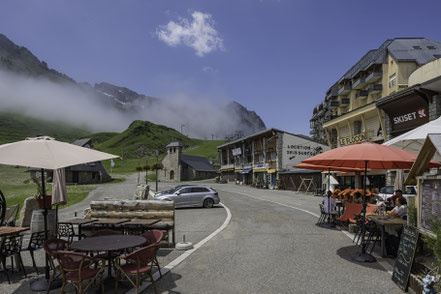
[(86, 274)]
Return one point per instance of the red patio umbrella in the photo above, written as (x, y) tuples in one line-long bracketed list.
[(377, 157), (366, 155), (327, 168)]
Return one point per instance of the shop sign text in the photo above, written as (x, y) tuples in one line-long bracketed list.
[(353, 139), (420, 113)]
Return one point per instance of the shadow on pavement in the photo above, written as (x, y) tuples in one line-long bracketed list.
[(165, 284), (347, 253)]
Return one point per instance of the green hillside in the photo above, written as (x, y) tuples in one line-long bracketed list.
[(206, 148), (141, 138), (16, 127)]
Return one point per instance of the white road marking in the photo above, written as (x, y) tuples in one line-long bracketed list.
[(186, 254), (381, 260)]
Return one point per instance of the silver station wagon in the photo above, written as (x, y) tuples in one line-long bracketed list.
[(191, 196)]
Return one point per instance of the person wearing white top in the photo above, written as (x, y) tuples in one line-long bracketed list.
[(400, 210), (329, 203)]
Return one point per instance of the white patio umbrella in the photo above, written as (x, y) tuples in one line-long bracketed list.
[(413, 140), (47, 153), (59, 191)]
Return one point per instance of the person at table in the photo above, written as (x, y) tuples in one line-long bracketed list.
[(398, 194), (400, 209), (357, 198), (329, 203)]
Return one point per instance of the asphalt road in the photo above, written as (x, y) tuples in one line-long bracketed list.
[(273, 246)]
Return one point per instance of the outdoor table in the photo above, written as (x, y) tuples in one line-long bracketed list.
[(382, 222), (110, 221), (79, 222), (7, 231), (109, 244), (139, 226)]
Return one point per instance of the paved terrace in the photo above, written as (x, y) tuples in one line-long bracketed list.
[(271, 245)]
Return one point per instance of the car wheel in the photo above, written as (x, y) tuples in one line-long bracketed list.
[(208, 203)]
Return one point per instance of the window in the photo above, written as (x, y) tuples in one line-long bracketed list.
[(392, 80), (357, 127), (417, 47), (199, 190), (186, 190), (431, 47)]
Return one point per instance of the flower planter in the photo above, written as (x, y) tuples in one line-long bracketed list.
[(415, 284), (48, 202)]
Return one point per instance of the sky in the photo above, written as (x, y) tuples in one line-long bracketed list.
[(276, 57)]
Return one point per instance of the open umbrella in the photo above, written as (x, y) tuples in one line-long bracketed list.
[(47, 153), (413, 140), (367, 155)]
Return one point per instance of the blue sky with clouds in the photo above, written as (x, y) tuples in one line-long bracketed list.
[(276, 57)]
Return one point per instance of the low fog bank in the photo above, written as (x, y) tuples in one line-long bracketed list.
[(41, 98)]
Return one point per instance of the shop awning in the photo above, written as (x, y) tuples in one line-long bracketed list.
[(259, 170), (271, 171), (245, 171)]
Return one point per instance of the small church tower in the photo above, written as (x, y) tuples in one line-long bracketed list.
[(172, 163)]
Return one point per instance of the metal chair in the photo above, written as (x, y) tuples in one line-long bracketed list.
[(10, 247), (77, 268), (154, 237), (139, 263), (35, 242), (106, 232), (51, 246), (65, 230), (2, 207)]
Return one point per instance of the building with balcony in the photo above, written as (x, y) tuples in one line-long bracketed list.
[(259, 158), (384, 72)]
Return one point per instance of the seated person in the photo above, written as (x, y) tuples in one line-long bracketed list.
[(357, 197), (328, 203), (398, 193), (400, 210)]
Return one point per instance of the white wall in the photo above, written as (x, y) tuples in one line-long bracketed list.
[(295, 149)]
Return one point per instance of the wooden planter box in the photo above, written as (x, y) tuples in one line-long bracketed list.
[(415, 285)]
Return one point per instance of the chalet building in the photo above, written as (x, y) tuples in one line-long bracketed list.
[(261, 158), (181, 167)]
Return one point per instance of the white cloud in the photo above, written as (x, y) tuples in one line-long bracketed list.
[(209, 69), (198, 34)]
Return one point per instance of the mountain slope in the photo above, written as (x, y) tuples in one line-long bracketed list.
[(16, 127), (119, 105)]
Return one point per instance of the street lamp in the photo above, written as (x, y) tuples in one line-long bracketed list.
[(157, 155)]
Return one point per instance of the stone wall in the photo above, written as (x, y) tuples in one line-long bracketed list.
[(30, 204), (435, 107)]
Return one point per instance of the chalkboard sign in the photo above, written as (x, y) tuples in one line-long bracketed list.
[(430, 202), (406, 253)]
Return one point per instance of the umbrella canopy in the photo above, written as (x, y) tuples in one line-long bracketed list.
[(59, 191), (327, 168), (47, 153), (377, 157)]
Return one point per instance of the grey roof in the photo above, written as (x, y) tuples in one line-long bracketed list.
[(267, 131), (198, 163), (175, 144), (81, 142), (402, 49)]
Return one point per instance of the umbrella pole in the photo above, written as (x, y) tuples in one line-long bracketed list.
[(363, 256), (42, 284)]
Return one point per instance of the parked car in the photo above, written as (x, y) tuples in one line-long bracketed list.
[(191, 196), (388, 191), (172, 190)]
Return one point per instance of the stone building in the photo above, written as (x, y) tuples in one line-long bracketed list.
[(181, 167)]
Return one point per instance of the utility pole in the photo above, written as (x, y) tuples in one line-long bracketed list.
[(182, 127), (157, 155)]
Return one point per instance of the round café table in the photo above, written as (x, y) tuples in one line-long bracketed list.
[(109, 244)]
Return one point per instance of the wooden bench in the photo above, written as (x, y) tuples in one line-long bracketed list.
[(164, 211)]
